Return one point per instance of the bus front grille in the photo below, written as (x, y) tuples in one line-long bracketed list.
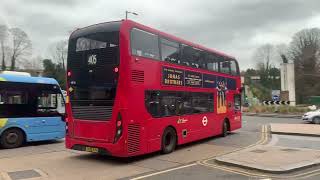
[(133, 138), (96, 113)]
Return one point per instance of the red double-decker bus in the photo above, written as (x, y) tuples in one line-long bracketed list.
[(133, 90)]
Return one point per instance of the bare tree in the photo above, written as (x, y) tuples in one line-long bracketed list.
[(22, 46), (59, 52), (3, 39), (264, 56), (304, 51)]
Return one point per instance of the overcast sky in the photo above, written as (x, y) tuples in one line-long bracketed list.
[(235, 27)]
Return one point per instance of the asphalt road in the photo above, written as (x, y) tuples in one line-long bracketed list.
[(53, 161), (247, 135)]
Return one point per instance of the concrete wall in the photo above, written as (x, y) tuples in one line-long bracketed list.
[(288, 81)]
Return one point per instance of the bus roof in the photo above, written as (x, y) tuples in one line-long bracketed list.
[(27, 79), (115, 25)]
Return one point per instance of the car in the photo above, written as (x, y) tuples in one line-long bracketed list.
[(312, 116)]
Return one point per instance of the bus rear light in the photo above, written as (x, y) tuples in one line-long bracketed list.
[(119, 123), (118, 128), (116, 69)]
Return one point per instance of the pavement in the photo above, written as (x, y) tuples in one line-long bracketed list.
[(272, 159), (274, 115), (296, 129), (269, 156)]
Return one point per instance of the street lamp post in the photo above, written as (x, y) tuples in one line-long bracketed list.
[(128, 12)]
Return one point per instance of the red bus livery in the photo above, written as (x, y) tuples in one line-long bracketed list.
[(134, 90)]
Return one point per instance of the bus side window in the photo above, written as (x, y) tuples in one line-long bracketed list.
[(144, 44), (202, 102), (191, 56), (186, 107), (234, 68), (225, 66), (168, 104), (237, 102), (170, 51), (212, 62), (152, 103), (186, 57)]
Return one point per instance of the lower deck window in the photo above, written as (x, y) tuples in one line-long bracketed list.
[(170, 103)]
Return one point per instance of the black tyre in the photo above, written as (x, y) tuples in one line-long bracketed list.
[(169, 140), (316, 120), (224, 129), (12, 138)]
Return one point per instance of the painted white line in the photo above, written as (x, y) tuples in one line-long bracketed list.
[(165, 171)]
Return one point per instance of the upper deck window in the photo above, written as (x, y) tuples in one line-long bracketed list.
[(144, 44), (234, 68), (212, 62), (84, 44), (191, 56), (170, 51), (225, 67)]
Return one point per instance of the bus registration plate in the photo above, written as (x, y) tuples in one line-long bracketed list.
[(92, 149)]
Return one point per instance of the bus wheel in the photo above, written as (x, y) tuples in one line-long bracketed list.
[(169, 140), (224, 128), (12, 138)]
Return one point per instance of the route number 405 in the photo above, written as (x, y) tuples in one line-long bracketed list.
[(92, 60)]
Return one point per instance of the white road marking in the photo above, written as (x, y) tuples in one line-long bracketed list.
[(165, 171)]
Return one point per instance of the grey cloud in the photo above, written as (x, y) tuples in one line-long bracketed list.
[(55, 2), (231, 26)]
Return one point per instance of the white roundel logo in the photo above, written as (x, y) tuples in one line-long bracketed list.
[(205, 121)]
